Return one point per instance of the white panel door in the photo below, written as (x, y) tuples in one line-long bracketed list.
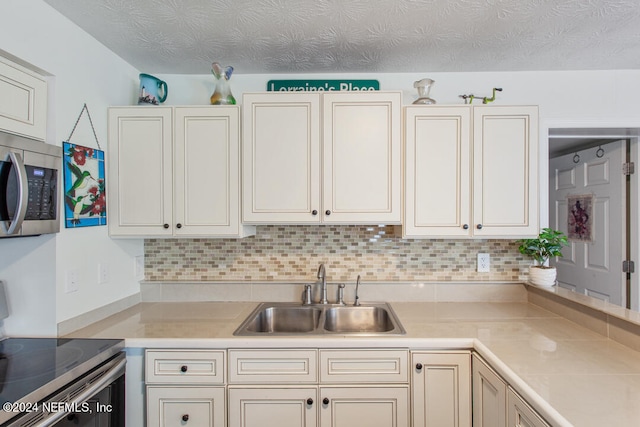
[(281, 158), (489, 396), (441, 390), (23, 101), (140, 181), (177, 406), (594, 267), (505, 174), (207, 171), (368, 406), (362, 158), (273, 407), (519, 414), (437, 172)]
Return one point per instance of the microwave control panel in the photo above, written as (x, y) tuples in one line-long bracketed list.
[(42, 193)]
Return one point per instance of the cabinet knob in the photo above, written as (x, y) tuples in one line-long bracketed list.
[(419, 366), (466, 226), (314, 212), (185, 417), (309, 401), (184, 368), (166, 226), (325, 400), (327, 212), (479, 226), (178, 225)]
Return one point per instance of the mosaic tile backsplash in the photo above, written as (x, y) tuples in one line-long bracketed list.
[(293, 254)]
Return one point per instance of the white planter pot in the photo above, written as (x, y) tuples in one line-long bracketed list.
[(544, 277)]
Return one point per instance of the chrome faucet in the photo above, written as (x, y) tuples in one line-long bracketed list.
[(322, 278)]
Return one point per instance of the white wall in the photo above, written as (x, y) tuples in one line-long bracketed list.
[(85, 71), (82, 70)]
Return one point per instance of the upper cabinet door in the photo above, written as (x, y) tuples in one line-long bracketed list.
[(437, 171), (281, 158), (505, 150), (362, 158), (23, 101), (140, 171), (207, 171)]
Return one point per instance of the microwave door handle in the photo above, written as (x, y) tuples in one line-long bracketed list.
[(21, 210)]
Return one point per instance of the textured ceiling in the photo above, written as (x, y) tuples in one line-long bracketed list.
[(326, 36)]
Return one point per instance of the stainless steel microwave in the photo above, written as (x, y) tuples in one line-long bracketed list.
[(29, 186)]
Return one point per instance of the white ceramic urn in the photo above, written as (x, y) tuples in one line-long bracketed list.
[(542, 276)]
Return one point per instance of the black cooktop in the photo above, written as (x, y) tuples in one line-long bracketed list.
[(33, 368)]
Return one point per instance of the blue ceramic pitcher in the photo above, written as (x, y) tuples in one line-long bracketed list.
[(152, 90)]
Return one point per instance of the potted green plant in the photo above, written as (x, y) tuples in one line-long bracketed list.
[(548, 243)]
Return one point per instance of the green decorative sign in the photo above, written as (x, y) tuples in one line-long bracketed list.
[(321, 85)]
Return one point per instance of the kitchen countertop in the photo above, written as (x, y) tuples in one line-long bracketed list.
[(571, 375)]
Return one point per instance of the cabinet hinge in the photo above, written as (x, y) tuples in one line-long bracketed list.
[(628, 266), (628, 168)]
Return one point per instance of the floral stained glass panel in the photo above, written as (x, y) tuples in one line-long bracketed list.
[(84, 186)]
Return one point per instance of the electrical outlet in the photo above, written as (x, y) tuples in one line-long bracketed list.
[(138, 267), (483, 263), (103, 273), (71, 281)]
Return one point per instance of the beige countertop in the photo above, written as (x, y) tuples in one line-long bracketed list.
[(571, 375)]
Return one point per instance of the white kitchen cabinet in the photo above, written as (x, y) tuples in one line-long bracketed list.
[(23, 101), (322, 158), (371, 406), (185, 387), (174, 172), (185, 406), (339, 388), (505, 171), (496, 404), (362, 158), (489, 396), (520, 414), (273, 407), (437, 172), (471, 171), (441, 389)]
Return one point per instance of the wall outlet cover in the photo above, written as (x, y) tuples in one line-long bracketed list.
[(483, 263)]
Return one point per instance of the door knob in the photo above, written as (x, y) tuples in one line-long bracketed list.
[(184, 368), (479, 226), (309, 401), (325, 400), (314, 212), (327, 212), (419, 366), (166, 226), (178, 225), (185, 417), (466, 226)]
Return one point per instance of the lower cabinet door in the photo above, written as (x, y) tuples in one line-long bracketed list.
[(185, 406), (273, 407), (489, 396), (519, 414), (441, 389), (364, 406)]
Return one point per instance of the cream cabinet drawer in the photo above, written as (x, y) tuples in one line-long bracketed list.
[(185, 406), (364, 366), (273, 366), (184, 366)]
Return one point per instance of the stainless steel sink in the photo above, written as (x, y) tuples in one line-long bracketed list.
[(275, 319), (358, 319), (284, 319)]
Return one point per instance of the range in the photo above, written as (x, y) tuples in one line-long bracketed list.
[(57, 381)]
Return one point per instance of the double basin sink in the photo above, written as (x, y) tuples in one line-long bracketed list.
[(270, 319)]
